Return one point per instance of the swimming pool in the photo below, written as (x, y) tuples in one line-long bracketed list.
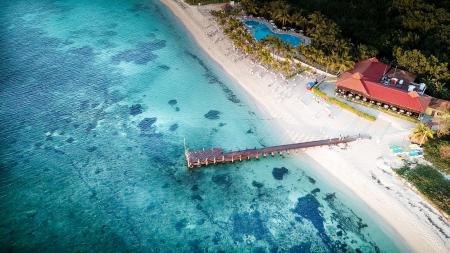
[(261, 31)]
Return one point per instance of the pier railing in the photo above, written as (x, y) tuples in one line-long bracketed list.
[(198, 158)]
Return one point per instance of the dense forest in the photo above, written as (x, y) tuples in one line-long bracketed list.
[(411, 34)]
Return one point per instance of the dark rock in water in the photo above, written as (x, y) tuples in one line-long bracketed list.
[(311, 180), (142, 54), (317, 190), (221, 124), (91, 149), (195, 246), (301, 248), (361, 225), (307, 208), (70, 140), (181, 224), (164, 67), (222, 180), (136, 109), (257, 184), (200, 221), (146, 124), (339, 233), (194, 187), (250, 131), (217, 237), (196, 197), (173, 127), (212, 114), (177, 109), (330, 197), (249, 224), (90, 127), (259, 250), (342, 246), (57, 151), (278, 173), (172, 102), (274, 249)]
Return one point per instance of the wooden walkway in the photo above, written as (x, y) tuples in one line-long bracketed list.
[(212, 156)]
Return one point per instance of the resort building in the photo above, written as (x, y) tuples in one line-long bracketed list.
[(378, 83), (437, 108)]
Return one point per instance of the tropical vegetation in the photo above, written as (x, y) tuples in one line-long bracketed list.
[(430, 182), (328, 51), (421, 134), (436, 144), (437, 151), (271, 52), (410, 34)]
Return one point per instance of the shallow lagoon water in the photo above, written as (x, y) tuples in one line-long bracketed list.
[(96, 99)]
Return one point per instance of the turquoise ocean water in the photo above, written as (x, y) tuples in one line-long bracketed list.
[(95, 100)]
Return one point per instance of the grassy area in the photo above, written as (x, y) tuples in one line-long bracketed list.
[(437, 151), (430, 183), (343, 105)]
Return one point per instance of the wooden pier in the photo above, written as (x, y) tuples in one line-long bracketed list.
[(213, 156)]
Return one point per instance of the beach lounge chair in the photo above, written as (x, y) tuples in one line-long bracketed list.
[(396, 150), (415, 153)]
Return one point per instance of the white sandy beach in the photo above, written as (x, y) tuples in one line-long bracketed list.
[(364, 167)]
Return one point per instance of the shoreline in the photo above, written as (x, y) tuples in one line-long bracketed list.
[(301, 118)]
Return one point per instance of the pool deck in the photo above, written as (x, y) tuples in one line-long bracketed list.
[(305, 40)]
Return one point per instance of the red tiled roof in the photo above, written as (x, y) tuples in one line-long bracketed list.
[(353, 82), (365, 78), (408, 100), (372, 69)]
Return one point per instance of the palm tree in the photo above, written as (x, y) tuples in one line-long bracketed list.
[(298, 20), (250, 6), (282, 15), (421, 134)]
